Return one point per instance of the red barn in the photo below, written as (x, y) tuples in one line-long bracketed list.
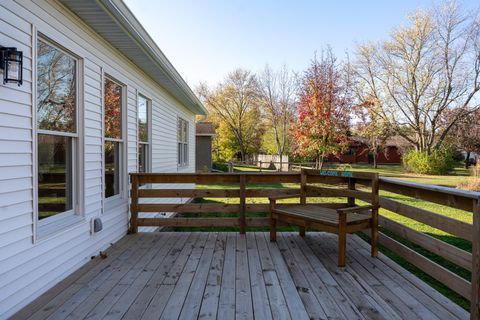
[(357, 152)]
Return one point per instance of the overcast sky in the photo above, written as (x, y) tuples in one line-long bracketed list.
[(206, 39)]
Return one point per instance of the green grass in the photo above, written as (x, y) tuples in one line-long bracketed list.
[(394, 172), (391, 171), (246, 168)]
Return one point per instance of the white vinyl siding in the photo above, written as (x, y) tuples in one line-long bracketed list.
[(28, 269)]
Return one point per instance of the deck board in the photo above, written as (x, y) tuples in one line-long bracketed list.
[(183, 275)]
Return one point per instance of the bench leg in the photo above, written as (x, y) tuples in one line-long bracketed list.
[(273, 229), (374, 239), (342, 239), (301, 231), (342, 248)]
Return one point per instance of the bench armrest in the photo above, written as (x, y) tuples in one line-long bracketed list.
[(356, 209), (284, 197)]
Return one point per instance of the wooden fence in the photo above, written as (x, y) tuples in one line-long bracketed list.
[(238, 188), (262, 165)]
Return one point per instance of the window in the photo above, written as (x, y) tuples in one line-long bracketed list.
[(182, 138), (113, 138), (57, 133), (143, 134)]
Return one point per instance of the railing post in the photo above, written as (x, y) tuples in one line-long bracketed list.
[(374, 228), (351, 186), (243, 193), (475, 294), (134, 204), (230, 166)]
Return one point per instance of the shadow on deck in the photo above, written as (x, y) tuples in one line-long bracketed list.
[(182, 275)]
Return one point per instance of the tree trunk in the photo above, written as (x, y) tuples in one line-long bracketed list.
[(467, 160), (375, 165), (320, 162)]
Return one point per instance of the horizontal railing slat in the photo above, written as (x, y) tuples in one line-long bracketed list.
[(456, 227), (451, 253), (188, 222), (188, 193), (190, 207), (445, 276), (314, 191), (201, 222), (214, 193), (459, 200)]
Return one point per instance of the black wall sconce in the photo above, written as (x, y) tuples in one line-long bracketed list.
[(11, 62)]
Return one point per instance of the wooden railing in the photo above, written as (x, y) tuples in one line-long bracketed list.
[(235, 185)]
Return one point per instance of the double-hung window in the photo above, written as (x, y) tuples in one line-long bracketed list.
[(113, 137), (182, 138), (144, 164), (57, 130)]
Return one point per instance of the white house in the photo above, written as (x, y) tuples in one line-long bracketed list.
[(98, 100)]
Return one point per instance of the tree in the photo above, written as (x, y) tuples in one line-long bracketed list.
[(224, 144), (322, 109), (466, 135), (235, 103), (425, 70), (277, 97), (372, 127)]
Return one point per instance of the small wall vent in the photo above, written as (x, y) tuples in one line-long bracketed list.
[(96, 225)]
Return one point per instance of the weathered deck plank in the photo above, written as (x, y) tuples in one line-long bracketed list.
[(226, 275), (211, 296)]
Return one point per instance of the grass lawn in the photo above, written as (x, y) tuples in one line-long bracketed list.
[(247, 168), (394, 172)]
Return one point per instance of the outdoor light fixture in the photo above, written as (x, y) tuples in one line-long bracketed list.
[(11, 62)]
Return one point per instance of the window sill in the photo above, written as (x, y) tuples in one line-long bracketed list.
[(113, 202), (63, 222)]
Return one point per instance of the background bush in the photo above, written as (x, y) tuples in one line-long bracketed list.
[(437, 162), (220, 166)]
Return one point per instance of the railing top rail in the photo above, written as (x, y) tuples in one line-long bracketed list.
[(431, 187), (341, 173), (215, 174)]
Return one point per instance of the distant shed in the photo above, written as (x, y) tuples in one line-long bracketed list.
[(205, 131)]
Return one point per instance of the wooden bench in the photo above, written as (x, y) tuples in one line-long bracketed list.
[(339, 218)]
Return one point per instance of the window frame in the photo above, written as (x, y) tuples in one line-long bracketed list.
[(183, 160), (50, 226), (148, 143), (110, 202)]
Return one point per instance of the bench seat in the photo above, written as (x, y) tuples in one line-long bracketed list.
[(319, 213)]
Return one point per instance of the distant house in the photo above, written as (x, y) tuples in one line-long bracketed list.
[(357, 152), (98, 100), (204, 133)]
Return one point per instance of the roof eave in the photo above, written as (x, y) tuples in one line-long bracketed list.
[(126, 22)]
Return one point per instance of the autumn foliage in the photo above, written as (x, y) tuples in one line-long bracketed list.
[(322, 110)]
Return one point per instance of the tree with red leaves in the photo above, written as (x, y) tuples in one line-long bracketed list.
[(323, 109)]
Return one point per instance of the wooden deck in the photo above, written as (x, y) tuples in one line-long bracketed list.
[(182, 275)]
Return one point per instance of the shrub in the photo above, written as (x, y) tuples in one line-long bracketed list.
[(438, 162), (220, 166)]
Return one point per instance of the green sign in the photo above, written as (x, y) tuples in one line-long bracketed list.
[(333, 173)]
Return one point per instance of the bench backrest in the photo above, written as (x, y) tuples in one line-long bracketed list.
[(309, 177)]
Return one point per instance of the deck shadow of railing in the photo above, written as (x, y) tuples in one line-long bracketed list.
[(458, 199)]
